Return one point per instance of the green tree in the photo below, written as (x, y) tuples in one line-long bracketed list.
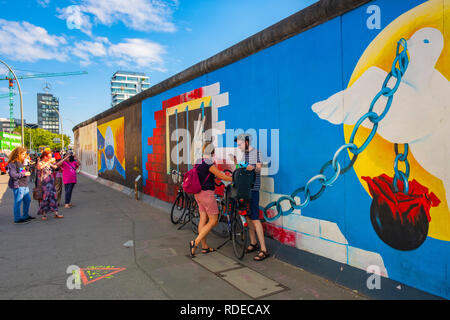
[(42, 138)]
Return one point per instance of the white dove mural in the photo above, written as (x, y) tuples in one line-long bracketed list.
[(420, 112)]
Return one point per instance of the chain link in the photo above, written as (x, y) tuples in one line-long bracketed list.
[(399, 67), (403, 176)]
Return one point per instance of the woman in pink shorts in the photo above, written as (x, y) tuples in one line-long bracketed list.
[(207, 204)]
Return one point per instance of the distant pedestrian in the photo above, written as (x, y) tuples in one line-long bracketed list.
[(32, 168), (18, 182), (58, 178), (47, 183), (69, 165)]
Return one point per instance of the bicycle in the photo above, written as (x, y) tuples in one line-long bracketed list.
[(184, 208), (237, 224), (178, 207), (221, 229)]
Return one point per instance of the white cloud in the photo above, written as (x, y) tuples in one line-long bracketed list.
[(129, 53), (23, 41), (43, 3), (141, 15), (87, 49), (139, 53)]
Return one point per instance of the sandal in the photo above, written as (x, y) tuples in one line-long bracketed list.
[(208, 250), (261, 256), (58, 216), (192, 246), (44, 218), (251, 248)]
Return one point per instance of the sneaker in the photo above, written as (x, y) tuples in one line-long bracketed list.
[(30, 218), (23, 221)]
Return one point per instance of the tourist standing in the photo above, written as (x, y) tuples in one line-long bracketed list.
[(18, 182)]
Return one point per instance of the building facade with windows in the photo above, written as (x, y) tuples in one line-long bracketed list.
[(5, 125), (125, 84), (48, 118)]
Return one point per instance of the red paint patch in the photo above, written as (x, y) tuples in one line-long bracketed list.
[(284, 236), (185, 97)]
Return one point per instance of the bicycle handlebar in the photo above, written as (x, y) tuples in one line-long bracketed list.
[(221, 182), (175, 172)]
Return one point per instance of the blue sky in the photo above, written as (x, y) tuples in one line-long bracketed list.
[(160, 38)]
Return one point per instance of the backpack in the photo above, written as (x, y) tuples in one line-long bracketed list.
[(191, 182), (243, 181)]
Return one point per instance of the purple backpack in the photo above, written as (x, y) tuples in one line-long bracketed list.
[(191, 182)]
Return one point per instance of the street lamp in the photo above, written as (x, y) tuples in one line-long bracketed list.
[(60, 121), (29, 127), (20, 94)]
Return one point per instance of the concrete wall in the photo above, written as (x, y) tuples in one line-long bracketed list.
[(300, 98), (85, 146), (125, 127)]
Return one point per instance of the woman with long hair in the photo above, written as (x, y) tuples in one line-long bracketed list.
[(207, 204), (18, 182), (69, 165), (47, 183)]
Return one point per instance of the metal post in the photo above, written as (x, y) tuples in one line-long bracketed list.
[(21, 102), (29, 128), (136, 190), (60, 121)]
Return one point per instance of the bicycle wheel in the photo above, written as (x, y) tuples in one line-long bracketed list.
[(221, 228), (177, 209), (239, 236), (194, 215)]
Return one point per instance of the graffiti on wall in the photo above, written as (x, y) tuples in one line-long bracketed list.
[(183, 142), (181, 126), (418, 117), (111, 147), (391, 209), (86, 141)]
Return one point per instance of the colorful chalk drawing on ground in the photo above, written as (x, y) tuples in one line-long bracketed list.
[(92, 274)]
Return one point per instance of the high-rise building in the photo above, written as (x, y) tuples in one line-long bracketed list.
[(48, 118), (125, 84), (5, 125)]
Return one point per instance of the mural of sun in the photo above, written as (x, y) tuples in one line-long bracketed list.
[(379, 157)]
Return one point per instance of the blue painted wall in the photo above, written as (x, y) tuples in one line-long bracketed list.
[(275, 89)]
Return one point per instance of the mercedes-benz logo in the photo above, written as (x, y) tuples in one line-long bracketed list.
[(47, 87)]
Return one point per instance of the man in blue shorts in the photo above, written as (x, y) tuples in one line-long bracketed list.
[(252, 156)]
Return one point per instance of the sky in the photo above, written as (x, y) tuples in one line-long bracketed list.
[(158, 37)]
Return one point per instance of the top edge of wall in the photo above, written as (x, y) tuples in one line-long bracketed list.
[(310, 17)]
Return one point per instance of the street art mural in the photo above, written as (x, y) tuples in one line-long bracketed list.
[(352, 119), (418, 117), (387, 205), (86, 148), (111, 147), (183, 123)]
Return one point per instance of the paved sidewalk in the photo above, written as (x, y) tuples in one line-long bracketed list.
[(34, 257)]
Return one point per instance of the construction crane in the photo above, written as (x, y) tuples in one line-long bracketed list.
[(5, 95), (10, 79)]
